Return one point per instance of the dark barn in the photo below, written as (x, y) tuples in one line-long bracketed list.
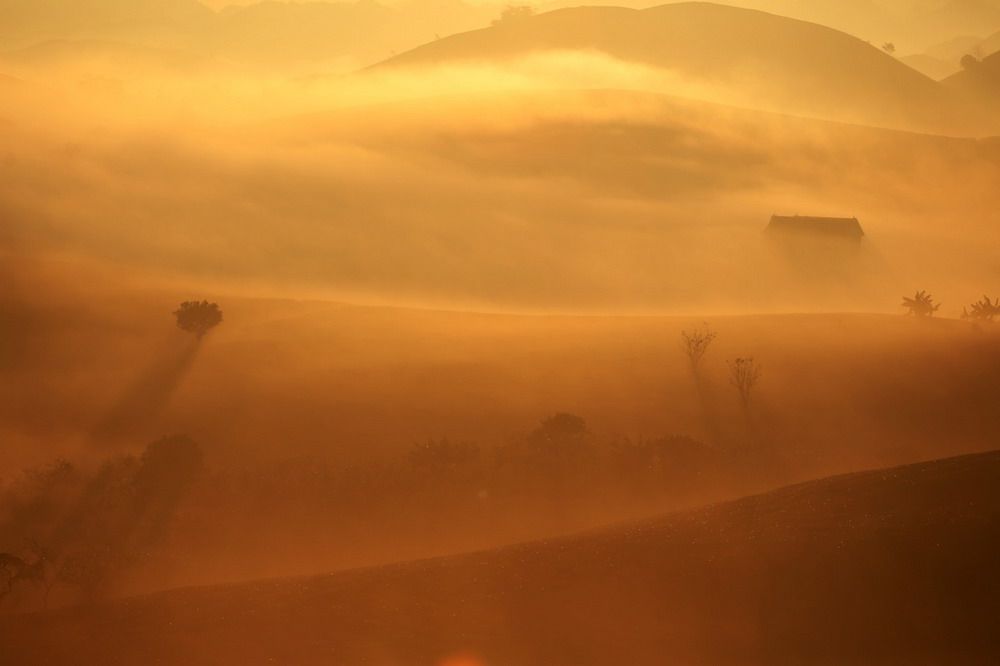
[(820, 228)]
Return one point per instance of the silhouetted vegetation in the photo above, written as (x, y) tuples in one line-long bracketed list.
[(86, 529), (696, 344), (101, 526), (17, 571), (198, 317), (512, 14), (983, 310), (744, 373), (921, 305)]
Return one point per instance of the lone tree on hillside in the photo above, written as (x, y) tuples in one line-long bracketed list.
[(514, 13), (969, 62), (696, 343), (744, 374), (921, 305), (984, 310), (889, 48), (198, 317)]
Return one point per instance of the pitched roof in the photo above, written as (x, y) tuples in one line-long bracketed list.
[(828, 226)]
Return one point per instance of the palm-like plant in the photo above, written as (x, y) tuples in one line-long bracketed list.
[(984, 310), (921, 305)]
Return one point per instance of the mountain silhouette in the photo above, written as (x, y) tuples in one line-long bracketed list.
[(784, 63)]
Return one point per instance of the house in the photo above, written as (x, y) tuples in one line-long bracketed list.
[(820, 228)]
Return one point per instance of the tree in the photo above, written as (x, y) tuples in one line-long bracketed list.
[(921, 305), (17, 570), (513, 14), (696, 343), (744, 374), (198, 317), (984, 310), (969, 62), (889, 48), (559, 434), (10, 568)]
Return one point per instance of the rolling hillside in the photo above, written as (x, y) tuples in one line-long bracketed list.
[(980, 83), (777, 62), (942, 60), (894, 566)]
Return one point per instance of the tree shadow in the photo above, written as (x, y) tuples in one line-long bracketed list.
[(709, 409), (143, 401)]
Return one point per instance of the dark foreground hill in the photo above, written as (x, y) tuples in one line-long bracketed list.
[(894, 566)]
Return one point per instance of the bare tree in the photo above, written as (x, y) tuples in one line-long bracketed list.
[(696, 344), (984, 310), (921, 305), (744, 374), (198, 317)]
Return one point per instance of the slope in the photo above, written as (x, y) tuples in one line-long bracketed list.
[(979, 82), (892, 566), (777, 62)]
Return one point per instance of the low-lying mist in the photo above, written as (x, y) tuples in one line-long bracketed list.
[(419, 268), (516, 194)]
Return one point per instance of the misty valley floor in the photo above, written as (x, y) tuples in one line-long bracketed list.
[(895, 566)]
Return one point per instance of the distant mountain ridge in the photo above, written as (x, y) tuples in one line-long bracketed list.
[(793, 65)]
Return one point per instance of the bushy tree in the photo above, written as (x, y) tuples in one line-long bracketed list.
[(513, 14), (198, 317), (969, 62)]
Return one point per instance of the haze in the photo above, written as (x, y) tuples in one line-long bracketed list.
[(470, 334)]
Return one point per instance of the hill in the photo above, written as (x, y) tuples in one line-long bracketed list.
[(928, 65), (980, 83), (910, 24), (942, 60), (891, 566), (779, 62)]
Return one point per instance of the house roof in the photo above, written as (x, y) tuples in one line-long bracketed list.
[(828, 226)]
